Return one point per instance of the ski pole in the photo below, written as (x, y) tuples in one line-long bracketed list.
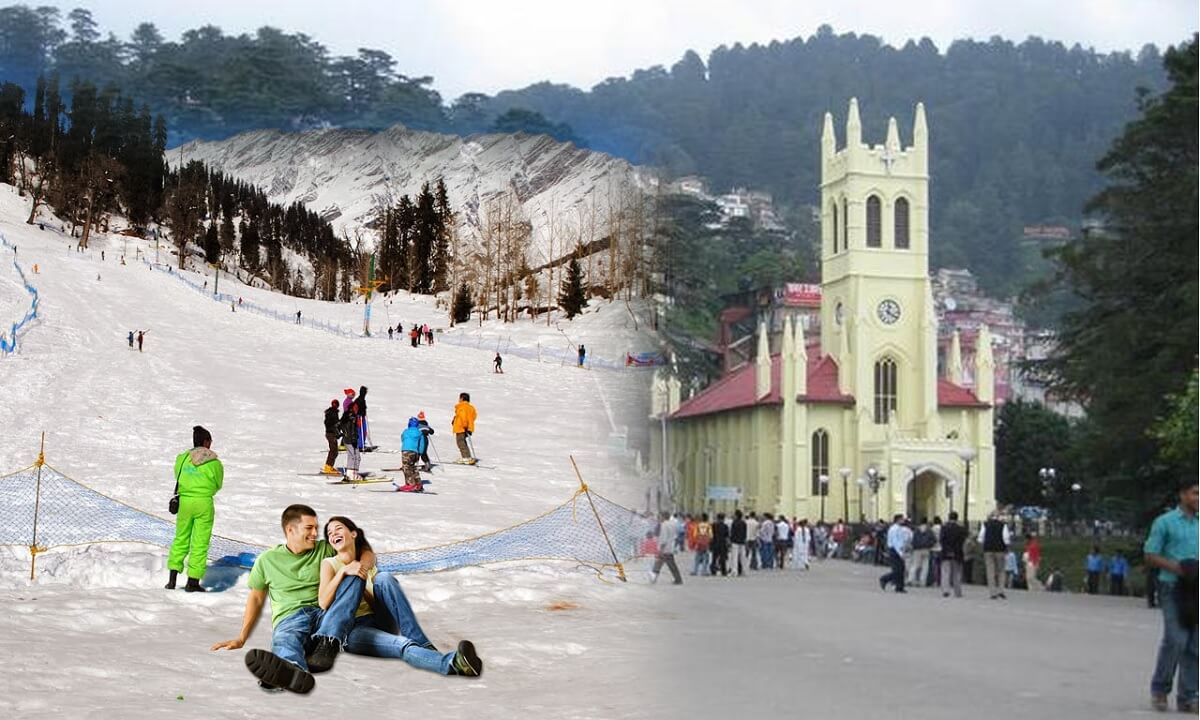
[(435, 452)]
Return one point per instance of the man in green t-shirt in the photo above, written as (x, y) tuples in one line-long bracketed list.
[(304, 638), (1172, 547)]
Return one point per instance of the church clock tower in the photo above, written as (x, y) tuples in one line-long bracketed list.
[(877, 315)]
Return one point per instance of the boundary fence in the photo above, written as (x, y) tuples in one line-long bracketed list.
[(41, 508), (8, 342)]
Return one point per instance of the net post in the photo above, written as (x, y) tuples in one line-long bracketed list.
[(37, 501), (583, 488)]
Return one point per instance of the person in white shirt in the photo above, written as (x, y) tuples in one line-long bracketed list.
[(752, 540), (801, 540), (899, 539), (783, 533), (668, 528), (766, 542)]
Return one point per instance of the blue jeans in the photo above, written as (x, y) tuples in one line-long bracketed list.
[(295, 634), (1177, 651), (392, 631), (767, 551), (700, 564)]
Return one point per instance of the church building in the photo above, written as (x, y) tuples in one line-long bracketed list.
[(855, 421)]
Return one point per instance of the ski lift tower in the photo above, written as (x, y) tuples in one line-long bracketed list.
[(367, 291)]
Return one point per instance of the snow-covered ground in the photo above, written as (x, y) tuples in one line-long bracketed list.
[(96, 631)]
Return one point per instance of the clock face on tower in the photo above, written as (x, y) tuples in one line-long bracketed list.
[(888, 312)]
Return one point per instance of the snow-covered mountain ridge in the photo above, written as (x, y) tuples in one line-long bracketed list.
[(348, 176)]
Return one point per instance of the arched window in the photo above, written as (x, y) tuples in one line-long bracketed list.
[(885, 390), (874, 222), (845, 225), (835, 228), (901, 224), (820, 462)]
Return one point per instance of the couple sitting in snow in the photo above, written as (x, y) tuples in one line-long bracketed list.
[(326, 596)]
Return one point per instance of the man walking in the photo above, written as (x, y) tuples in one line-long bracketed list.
[(720, 547), (899, 538), (951, 539), (922, 544), (1171, 548), (582, 355), (668, 528), (994, 538), (199, 476), (463, 426), (737, 540), (752, 539)]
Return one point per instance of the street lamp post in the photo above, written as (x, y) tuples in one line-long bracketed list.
[(1075, 488), (862, 517), (967, 455), (824, 480), (873, 480), (845, 473)]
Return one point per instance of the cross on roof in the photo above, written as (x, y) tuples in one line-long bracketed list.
[(888, 158)]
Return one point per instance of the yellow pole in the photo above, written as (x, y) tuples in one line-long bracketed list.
[(37, 499), (584, 489)]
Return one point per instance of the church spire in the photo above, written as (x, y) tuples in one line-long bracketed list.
[(954, 365), (762, 363), (893, 136), (853, 127), (921, 139), (985, 366), (799, 361)]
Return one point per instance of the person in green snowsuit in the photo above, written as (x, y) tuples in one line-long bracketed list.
[(200, 476)]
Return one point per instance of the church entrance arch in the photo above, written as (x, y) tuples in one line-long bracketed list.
[(928, 492)]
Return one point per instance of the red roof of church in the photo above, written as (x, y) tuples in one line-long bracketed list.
[(951, 395), (737, 390)]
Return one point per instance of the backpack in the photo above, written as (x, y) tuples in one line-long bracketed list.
[(703, 536), (923, 540)]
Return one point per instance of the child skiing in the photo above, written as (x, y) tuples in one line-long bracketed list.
[(331, 437), (352, 437), (427, 432), (412, 445)]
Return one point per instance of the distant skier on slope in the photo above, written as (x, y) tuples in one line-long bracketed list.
[(498, 364), (331, 437), (427, 431), (464, 427), (140, 336), (362, 414), (389, 332), (130, 339), (349, 392), (412, 445), (412, 336), (582, 354)]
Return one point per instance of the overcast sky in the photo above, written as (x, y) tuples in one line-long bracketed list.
[(491, 45)]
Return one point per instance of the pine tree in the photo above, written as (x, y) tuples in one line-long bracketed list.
[(441, 251), (212, 244), (250, 255), (571, 296), (460, 311)]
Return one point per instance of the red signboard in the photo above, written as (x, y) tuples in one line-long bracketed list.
[(801, 295)]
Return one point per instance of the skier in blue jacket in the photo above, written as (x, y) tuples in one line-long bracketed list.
[(412, 445)]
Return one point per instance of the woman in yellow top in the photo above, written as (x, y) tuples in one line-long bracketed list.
[(384, 623)]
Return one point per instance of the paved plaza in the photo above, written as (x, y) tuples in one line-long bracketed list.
[(828, 643)]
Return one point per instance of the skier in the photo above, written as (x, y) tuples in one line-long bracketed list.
[(362, 414), (412, 446), (498, 363), (349, 392), (130, 339), (199, 476), (427, 432), (297, 317), (141, 334), (389, 332), (412, 336), (351, 437), (331, 437), (464, 427), (582, 354), (429, 337)]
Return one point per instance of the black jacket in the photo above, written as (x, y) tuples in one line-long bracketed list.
[(720, 539), (423, 426), (331, 420), (737, 533), (362, 401), (953, 537)]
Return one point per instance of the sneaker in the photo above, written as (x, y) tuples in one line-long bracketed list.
[(1186, 706), (1158, 702), (945, 594), (465, 661), (275, 672), (323, 655)]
